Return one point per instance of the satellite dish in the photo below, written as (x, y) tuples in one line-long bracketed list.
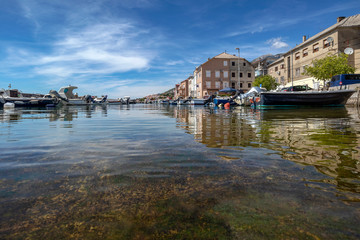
[(348, 51), (329, 39)]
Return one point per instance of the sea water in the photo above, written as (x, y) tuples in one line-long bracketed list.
[(179, 172)]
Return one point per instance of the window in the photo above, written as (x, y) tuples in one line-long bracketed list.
[(297, 56), (208, 73), (244, 64), (316, 47), (233, 74), (240, 85), (217, 74), (241, 74), (226, 74), (303, 68), (282, 80), (282, 66), (297, 72), (225, 63), (249, 75), (232, 63), (217, 84), (305, 52), (276, 69), (208, 84), (326, 43), (249, 85), (225, 84)]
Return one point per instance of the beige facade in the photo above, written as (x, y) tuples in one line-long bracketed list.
[(223, 71), (182, 89), (343, 35)]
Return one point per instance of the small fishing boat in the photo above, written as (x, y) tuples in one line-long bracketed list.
[(260, 98), (18, 99), (311, 98)]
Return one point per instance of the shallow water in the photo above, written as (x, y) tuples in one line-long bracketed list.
[(179, 172)]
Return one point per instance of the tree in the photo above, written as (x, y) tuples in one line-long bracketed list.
[(266, 81), (325, 68)]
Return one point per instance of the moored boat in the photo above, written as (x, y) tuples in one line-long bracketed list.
[(68, 98), (197, 101), (16, 97), (305, 98)]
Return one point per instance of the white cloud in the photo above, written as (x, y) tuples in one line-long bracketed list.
[(277, 43)]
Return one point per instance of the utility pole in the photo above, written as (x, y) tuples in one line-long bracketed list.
[(238, 74)]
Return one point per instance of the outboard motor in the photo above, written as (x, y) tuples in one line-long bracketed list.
[(88, 99), (103, 99), (210, 99)]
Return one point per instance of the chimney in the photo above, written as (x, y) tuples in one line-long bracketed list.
[(339, 19), (304, 38)]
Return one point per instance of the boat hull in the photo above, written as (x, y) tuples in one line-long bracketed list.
[(30, 102), (329, 98), (197, 102)]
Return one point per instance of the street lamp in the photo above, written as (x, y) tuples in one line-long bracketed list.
[(238, 75)]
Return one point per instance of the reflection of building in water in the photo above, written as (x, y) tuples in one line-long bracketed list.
[(321, 138), (324, 138), (216, 128)]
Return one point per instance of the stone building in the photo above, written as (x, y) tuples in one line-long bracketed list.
[(223, 71), (340, 37)]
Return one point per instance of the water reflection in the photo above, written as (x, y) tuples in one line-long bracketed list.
[(66, 113), (326, 138), (165, 172)]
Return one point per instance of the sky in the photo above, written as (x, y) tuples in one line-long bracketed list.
[(140, 47)]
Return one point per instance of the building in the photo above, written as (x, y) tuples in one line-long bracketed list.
[(340, 37), (223, 71), (182, 89), (261, 63)]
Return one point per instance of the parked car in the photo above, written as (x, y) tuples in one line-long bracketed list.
[(297, 88)]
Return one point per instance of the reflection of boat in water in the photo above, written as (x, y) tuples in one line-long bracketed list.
[(17, 99), (303, 113), (68, 98)]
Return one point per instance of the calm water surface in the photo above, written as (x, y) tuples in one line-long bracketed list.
[(163, 172)]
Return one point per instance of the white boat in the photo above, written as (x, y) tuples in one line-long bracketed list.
[(197, 101), (68, 97), (17, 98), (119, 101)]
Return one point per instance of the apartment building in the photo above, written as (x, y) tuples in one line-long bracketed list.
[(340, 37), (182, 89), (223, 71), (261, 63)]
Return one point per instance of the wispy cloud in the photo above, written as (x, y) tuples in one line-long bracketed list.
[(277, 43), (173, 63), (268, 20), (85, 50)]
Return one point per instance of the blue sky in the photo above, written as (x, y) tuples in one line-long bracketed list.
[(140, 47)]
